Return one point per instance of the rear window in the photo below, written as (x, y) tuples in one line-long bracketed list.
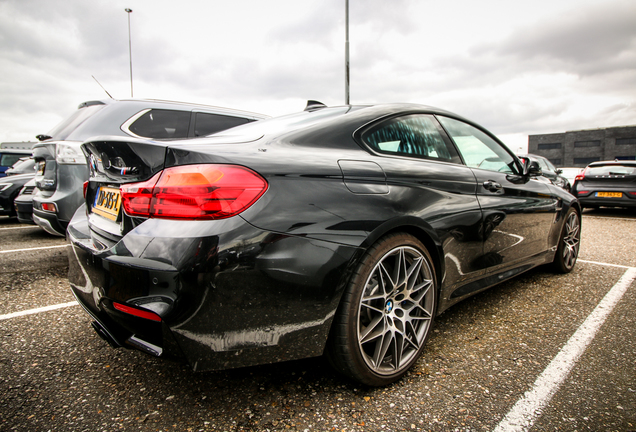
[(67, 126), (607, 170)]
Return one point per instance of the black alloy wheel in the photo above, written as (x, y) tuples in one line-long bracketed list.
[(386, 313), (569, 243)]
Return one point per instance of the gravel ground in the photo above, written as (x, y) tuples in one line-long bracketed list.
[(56, 374)]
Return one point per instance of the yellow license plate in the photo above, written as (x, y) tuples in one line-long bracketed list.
[(609, 194), (107, 202)]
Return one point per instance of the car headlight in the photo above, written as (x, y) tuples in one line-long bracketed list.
[(69, 153), (5, 186)]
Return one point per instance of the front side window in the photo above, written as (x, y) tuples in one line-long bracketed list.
[(413, 135), (159, 124), (477, 148)]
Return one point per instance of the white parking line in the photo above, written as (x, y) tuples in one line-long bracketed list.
[(612, 218), (603, 264), (529, 408), (38, 310), (20, 227), (35, 248)]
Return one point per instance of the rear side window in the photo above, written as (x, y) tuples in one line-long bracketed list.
[(159, 124), (207, 124), (414, 135)]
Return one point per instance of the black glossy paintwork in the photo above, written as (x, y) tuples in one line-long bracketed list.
[(264, 286)]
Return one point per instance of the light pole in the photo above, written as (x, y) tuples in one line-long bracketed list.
[(129, 11), (346, 52)]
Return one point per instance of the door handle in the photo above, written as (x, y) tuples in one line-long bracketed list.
[(492, 186)]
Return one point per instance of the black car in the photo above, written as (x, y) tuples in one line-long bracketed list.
[(341, 230), (10, 187), (23, 203), (549, 171), (607, 184), (61, 164)]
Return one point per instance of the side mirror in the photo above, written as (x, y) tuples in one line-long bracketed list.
[(533, 168), (559, 171)]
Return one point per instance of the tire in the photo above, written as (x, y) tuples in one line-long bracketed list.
[(569, 243), (386, 313)]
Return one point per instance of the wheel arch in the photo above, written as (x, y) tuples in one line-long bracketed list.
[(418, 229)]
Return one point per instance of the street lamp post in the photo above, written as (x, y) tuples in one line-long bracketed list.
[(346, 52), (129, 11)]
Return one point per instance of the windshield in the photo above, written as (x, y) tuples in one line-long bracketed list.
[(68, 125), (285, 123)]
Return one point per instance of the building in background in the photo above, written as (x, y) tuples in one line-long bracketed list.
[(580, 148)]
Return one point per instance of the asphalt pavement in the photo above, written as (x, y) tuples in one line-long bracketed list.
[(541, 352)]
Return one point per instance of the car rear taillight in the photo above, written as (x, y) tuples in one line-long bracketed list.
[(581, 176), (583, 192), (141, 313), (85, 188), (49, 207), (194, 192)]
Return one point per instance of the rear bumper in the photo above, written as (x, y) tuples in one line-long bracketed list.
[(228, 294), (48, 222), (24, 210)]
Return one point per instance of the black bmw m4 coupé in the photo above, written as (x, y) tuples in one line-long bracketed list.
[(339, 230)]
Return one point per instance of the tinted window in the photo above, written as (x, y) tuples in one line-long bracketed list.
[(625, 141), (586, 160), (549, 146), (162, 124), (477, 148), (207, 124), (627, 170), (64, 129), (413, 135), (595, 143), (8, 160)]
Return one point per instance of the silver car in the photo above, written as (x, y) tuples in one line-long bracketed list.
[(61, 165)]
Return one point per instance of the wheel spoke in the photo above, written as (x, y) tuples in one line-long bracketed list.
[(368, 334)]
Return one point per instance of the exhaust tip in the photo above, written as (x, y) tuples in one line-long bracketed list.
[(103, 333)]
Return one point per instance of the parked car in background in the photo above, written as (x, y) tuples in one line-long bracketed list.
[(570, 173), (607, 184), (25, 165), (10, 185), (23, 203), (549, 171), (343, 230), (9, 155), (61, 165)]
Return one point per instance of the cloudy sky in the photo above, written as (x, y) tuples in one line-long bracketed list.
[(516, 67)]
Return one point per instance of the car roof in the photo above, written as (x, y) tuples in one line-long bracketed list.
[(614, 162), (110, 114)]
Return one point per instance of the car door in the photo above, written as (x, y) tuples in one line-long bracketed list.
[(423, 168), (517, 210)]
